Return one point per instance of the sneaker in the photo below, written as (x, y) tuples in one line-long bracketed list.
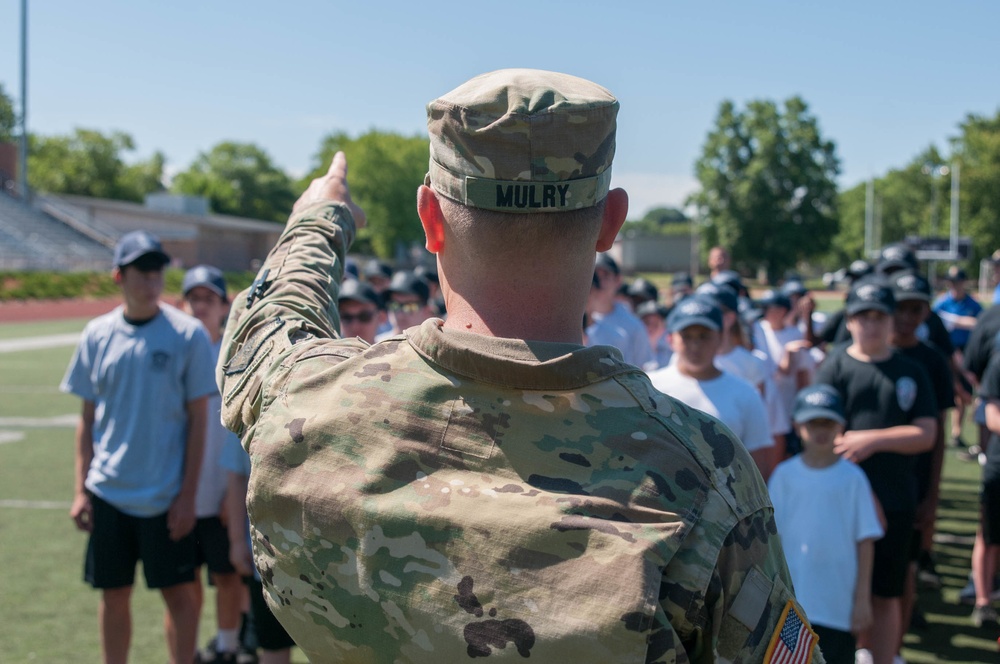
[(898, 659), (245, 656), (957, 441), (863, 656), (984, 615), (928, 579)]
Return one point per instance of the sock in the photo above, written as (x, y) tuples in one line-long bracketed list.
[(227, 640)]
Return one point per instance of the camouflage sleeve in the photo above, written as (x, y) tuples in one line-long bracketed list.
[(754, 605), (293, 298)]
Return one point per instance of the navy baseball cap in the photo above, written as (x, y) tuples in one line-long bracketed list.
[(681, 280), (357, 291), (407, 283), (730, 278), (909, 285), (773, 298), (207, 276), (139, 244), (723, 296), (695, 310), (868, 295), (794, 287), (818, 402), (859, 269), (650, 307)]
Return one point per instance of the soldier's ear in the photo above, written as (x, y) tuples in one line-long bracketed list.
[(431, 218), (615, 211)]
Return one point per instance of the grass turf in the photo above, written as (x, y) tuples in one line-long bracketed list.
[(49, 614)]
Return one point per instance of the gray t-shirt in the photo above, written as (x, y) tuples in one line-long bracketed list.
[(140, 378)]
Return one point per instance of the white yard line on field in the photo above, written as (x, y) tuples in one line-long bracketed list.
[(37, 343), (36, 504)]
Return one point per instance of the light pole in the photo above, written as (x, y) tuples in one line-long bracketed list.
[(22, 162), (935, 170)]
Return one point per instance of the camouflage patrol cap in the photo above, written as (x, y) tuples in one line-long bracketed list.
[(523, 140)]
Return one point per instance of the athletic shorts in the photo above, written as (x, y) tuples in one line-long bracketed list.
[(118, 541), (990, 513), (892, 555), (213, 545), (270, 634), (836, 645)]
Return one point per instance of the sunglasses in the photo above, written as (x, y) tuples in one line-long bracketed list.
[(407, 308), (364, 317)]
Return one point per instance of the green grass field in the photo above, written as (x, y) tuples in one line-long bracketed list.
[(49, 615)]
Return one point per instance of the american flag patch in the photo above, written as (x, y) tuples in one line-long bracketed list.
[(793, 640)]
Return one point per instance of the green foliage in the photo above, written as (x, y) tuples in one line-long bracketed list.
[(62, 285), (768, 180), (89, 163), (8, 118), (908, 201), (239, 179), (384, 171), (978, 151), (661, 221)]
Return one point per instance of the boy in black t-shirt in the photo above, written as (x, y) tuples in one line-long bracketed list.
[(913, 295), (987, 548), (891, 416)]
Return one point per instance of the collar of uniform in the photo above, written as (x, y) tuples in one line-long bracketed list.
[(514, 363)]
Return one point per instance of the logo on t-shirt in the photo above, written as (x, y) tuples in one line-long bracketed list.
[(906, 392), (160, 360)]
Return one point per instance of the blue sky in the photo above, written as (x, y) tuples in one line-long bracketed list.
[(884, 79)]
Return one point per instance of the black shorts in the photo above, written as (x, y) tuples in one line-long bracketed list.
[(892, 555), (270, 634), (990, 510), (836, 645), (213, 545), (118, 541)]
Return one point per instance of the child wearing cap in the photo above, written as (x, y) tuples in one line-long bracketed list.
[(890, 417), (913, 294), (827, 519), (695, 327), (205, 298)]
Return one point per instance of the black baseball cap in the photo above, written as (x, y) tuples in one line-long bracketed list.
[(695, 310), (405, 282), (606, 262), (427, 272), (650, 307), (817, 402), (870, 294), (644, 290), (723, 296), (955, 273), (376, 268), (357, 291), (908, 285), (140, 244), (208, 277), (681, 280), (895, 257), (859, 269)]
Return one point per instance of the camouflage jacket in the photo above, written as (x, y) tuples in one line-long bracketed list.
[(442, 496)]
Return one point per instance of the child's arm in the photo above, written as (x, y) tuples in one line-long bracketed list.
[(913, 438), (861, 614)]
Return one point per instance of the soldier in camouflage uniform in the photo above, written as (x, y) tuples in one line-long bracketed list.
[(485, 486)]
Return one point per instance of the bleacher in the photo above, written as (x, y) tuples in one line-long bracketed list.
[(33, 240)]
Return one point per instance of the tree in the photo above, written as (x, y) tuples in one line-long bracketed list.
[(8, 119), (768, 185), (661, 221), (384, 172), (89, 163), (908, 201), (239, 179), (977, 149)]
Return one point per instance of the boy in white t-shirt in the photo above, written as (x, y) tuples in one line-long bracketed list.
[(827, 519), (695, 328)]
